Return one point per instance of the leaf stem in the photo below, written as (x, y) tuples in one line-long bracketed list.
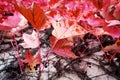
[(17, 53)]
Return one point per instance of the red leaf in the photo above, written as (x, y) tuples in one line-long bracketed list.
[(93, 21), (5, 27), (31, 61), (113, 30), (52, 2), (35, 16), (28, 57), (39, 17), (10, 22), (62, 47), (98, 3), (107, 11), (53, 13), (85, 25), (116, 11)]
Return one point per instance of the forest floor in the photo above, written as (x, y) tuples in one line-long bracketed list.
[(53, 67)]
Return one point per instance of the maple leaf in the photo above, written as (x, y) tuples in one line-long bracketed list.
[(62, 47), (31, 61), (66, 28), (34, 15), (30, 41)]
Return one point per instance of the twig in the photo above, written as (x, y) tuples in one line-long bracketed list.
[(98, 75), (107, 71)]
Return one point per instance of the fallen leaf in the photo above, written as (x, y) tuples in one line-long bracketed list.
[(31, 61), (64, 29), (30, 41), (62, 47)]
